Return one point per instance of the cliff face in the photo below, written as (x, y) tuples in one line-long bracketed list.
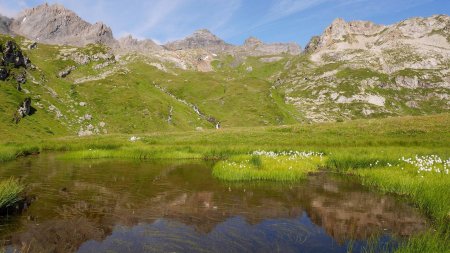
[(412, 43), (361, 69), (53, 24)]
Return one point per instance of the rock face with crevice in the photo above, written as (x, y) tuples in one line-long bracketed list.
[(54, 24)]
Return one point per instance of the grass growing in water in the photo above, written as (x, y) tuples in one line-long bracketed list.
[(140, 152), (262, 165), (426, 181), (10, 190)]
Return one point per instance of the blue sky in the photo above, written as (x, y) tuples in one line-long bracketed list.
[(235, 20)]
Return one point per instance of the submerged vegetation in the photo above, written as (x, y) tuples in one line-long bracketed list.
[(10, 190)]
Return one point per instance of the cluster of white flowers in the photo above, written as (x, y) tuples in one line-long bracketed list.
[(430, 163), (240, 165), (291, 154), (134, 138), (374, 164)]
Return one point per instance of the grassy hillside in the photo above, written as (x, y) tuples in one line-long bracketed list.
[(104, 95)]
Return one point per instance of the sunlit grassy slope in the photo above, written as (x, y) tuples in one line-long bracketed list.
[(130, 98), (131, 95)]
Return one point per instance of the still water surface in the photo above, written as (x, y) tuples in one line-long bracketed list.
[(177, 206)]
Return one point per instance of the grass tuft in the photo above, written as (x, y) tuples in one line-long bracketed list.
[(258, 167), (10, 190)]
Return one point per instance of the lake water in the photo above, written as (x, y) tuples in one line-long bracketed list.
[(177, 206)]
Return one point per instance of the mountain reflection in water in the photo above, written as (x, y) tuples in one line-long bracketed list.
[(169, 206)]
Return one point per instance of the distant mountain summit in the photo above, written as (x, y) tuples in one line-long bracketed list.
[(255, 45), (54, 24), (203, 39), (130, 44)]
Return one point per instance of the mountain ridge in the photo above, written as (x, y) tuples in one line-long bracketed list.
[(54, 24)]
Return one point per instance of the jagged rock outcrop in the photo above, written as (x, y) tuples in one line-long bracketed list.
[(413, 43), (11, 56), (200, 39), (54, 24), (313, 44), (256, 47), (341, 31)]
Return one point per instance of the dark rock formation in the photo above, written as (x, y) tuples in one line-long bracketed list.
[(4, 73), (20, 79), (13, 55), (32, 46)]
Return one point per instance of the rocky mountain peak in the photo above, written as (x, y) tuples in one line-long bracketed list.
[(54, 24), (204, 34), (366, 34), (340, 30), (252, 41), (203, 39)]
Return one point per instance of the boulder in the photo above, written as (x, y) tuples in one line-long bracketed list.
[(4, 73), (23, 110), (21, 78), (32, 46), (13, 55), (65, 72)]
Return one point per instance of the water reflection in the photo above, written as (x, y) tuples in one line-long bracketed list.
[(159, 206)]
